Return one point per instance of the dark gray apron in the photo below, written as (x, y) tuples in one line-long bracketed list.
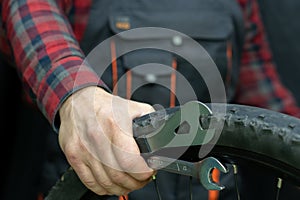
[(216, 25)]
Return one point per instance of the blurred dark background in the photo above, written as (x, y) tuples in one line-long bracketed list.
[(25, 134)]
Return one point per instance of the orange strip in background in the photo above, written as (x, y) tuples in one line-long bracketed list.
[(128, 84), (122, 197), (214, 194), (173, 84), (114, 67)]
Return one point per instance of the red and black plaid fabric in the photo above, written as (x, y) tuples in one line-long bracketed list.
[(46, 52)]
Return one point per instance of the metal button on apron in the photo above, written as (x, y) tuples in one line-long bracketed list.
[(151, 78), (177, 40)]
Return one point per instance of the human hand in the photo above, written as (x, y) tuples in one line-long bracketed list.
[(96, 137)]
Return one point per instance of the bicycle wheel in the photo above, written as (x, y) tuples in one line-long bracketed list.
[(250, 135)]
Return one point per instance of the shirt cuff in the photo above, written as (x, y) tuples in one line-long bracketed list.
[(66, 77)]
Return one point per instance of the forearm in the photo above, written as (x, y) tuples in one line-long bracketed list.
[(260, 84), (46, 53)]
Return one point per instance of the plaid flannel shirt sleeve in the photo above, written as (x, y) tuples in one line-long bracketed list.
[(46, 53), (259, 83)]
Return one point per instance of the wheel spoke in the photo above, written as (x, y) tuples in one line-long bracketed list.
[(235, 172), (191, 188), (279, 185), (156, 187)]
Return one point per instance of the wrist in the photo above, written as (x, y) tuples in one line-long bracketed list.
[(82, 99)]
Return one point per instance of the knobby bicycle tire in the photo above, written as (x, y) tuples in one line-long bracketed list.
[(250, 134)]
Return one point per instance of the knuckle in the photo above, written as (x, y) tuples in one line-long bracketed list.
[(116, 190), (128, 164), (107, 184), (111, 123), (93, 186), (98, 189), (118, 177), (102, 192), (72, 155), (90, 183), (92, 133), (122, 192), (144, 176), (136, 186)]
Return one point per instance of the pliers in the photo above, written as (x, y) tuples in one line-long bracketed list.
[(163, 136)]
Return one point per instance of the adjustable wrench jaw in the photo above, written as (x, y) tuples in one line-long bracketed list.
[(201, 170), (205, 170)]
